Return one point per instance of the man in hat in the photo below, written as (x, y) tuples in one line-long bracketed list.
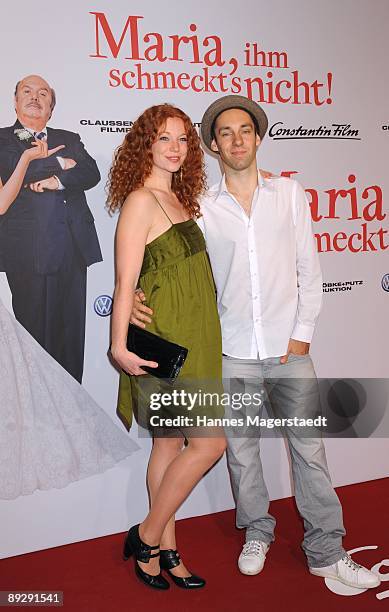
[(269, 289), (48, 236)]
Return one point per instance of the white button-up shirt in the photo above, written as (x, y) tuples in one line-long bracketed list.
[(266, 267)]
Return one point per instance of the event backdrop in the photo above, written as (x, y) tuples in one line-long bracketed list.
[(320, 71)]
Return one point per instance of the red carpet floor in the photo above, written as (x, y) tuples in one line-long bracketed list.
[(94, 578)]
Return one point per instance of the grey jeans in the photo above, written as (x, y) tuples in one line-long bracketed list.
[(291, 390)]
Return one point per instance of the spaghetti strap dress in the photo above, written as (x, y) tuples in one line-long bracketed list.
[(177, 280)]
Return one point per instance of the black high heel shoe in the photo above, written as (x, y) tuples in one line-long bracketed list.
[(133, 545), (170, 559)]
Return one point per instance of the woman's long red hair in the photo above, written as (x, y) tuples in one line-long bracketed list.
[(133, 161)]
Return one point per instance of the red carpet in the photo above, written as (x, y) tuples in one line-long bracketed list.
[(94, 578)]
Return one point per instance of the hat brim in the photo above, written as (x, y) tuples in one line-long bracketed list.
[(226, 103)]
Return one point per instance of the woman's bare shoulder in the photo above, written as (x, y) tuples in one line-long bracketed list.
[(140, 201)]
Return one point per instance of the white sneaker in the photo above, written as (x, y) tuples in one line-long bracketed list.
[(252, 558), (348, 572)]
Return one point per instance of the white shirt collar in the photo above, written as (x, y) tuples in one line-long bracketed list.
[(33, 132), (222, 187)]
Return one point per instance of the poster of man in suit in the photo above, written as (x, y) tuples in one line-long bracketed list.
[(47, 236)]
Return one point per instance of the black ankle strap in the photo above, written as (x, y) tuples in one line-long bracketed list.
[(144, 555), (170, 551), (170, 558), (154, 555)]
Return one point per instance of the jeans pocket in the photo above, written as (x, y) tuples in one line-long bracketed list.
[(294, 356)]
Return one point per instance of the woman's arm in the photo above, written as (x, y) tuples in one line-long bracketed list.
[(9, 191), (132, 231)]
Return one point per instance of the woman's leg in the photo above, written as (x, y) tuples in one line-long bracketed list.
[(179, 478), (163, 452)]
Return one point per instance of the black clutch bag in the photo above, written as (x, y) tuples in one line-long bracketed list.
[(169, 356)]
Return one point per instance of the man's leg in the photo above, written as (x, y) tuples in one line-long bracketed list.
[(73, 313), (293, 392), (31, 303), (52, 309), (249, 488)]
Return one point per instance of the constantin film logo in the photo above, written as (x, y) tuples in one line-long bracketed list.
[(337, 131), (340, 286)]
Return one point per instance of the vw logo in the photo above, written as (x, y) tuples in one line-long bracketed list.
[(385, 282), (103, 305)]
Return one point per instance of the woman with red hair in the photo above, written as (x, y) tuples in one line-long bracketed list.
[(156, 180)]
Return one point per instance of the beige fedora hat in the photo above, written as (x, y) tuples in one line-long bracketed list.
[(226, 103)]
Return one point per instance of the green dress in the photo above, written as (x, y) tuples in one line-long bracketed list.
[(178, 284)]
